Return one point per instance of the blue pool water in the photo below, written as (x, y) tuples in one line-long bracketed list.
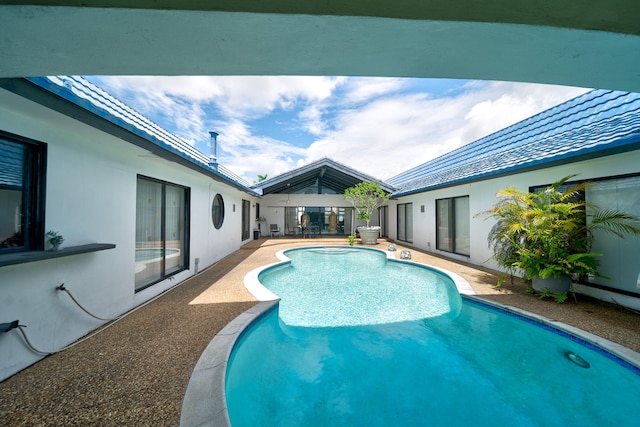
[(153, 254), (401, 364), (328, 287)]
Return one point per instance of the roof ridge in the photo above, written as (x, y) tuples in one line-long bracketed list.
[(311, 165)]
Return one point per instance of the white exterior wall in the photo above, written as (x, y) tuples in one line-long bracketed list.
[(91, 198), (482, 196)]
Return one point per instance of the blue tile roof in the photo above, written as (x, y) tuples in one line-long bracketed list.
[(90, 97), (595, 121)]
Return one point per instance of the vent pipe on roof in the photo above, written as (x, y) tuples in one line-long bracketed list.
[(213, 158)]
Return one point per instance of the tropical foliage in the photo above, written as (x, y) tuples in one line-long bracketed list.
[(366, 197), (550, 233)]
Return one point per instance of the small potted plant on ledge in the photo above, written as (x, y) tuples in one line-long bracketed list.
[(366, 198), (54, 239), (548, 235)]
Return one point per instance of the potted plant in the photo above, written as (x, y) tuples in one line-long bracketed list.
[(366, 197), (55, 239), (548, 235)]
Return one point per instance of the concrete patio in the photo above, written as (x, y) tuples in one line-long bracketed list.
[(136, 371)]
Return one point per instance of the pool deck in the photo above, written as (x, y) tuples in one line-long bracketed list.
[(136, 372)]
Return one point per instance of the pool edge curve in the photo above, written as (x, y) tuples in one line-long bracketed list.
[(204, 403)]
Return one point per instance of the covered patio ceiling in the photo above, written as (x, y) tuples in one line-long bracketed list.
[(588, 43), (328, 173), (326, 178)]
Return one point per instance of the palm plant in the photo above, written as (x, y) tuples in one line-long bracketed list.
[(550, 233)]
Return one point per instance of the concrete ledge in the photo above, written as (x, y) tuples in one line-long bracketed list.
[(32, 256)]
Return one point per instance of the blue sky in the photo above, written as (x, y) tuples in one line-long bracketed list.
[(379, 126)]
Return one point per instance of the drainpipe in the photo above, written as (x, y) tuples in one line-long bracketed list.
[(213, 158)]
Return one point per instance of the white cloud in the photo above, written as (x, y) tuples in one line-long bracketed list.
[(377, 126), (191, 106), (363, 89), (393, 134), (235, 96), (502, 104), (251, 155), (311, 118)]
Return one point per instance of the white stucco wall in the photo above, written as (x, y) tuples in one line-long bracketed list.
[(91, 198), (482, 196)]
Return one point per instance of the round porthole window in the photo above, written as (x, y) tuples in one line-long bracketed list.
[(217, 211)]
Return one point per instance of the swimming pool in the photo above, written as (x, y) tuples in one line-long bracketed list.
[(338, 286), (471, 364)]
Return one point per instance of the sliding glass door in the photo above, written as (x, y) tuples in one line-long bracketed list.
[(317, 221), (405, 222), (162, 230), (453, 225)]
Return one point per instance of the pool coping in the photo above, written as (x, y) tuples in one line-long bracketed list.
[(204, 403), (261, 293)]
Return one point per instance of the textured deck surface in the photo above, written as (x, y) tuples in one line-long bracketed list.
[(137, 370)]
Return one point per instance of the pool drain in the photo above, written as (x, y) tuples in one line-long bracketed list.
[(577, 359)]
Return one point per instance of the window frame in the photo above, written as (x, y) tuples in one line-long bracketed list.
[(33, 193), (404, 222), (217, 225), (594, 282), (246, 220), (383, 214), (186, 212), (452, 227)]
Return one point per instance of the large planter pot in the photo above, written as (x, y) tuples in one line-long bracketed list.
[(369, 235), (552, 284)]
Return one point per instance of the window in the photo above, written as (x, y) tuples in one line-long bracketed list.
[(453, 225), (317, 220), (384, 220), (246, 214), (618, 265), (22, 190), (162, 230), (217, 211), (405, 222)]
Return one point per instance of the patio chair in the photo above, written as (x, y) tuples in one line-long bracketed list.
[(274, 229)]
